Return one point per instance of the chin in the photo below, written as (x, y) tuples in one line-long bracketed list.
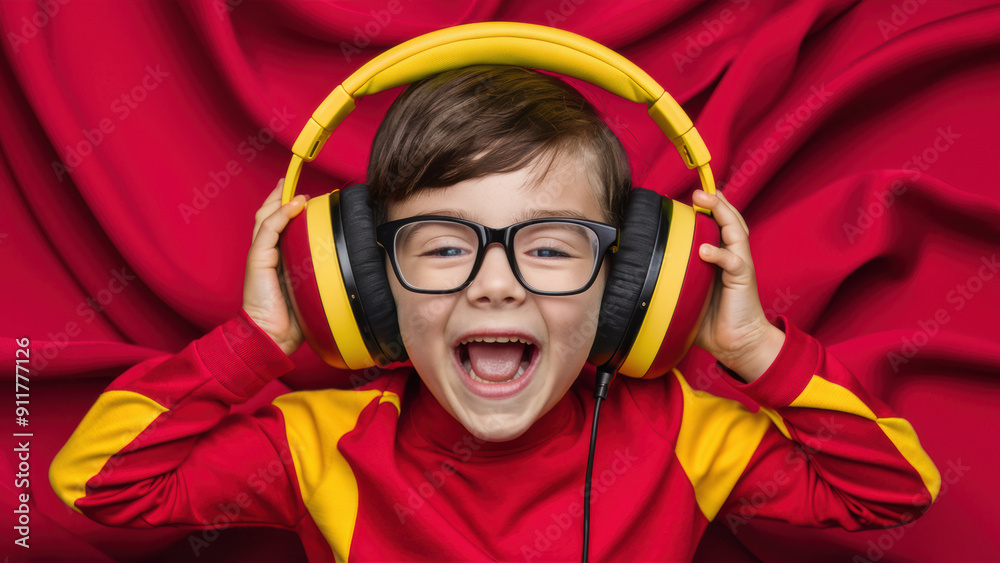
[(497, 429)]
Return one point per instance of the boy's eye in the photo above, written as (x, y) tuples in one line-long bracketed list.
[(435, 240), (445, 252), (547, 253), (546, 247)]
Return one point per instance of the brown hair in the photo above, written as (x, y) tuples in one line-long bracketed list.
[(471, 122)]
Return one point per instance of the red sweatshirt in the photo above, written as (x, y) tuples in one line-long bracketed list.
[(383, 472)]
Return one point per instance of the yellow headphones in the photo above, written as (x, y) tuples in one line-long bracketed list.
[(658, 287)]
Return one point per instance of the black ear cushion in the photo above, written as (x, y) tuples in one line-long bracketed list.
[(628, 272), (368, 266)]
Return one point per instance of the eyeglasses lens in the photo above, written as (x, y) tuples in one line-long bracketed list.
[(551, 256)]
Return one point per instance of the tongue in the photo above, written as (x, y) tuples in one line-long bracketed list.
[(495, 361)]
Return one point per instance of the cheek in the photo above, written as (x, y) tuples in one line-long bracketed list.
[(410, 324), (588, 306), (419, 316), (572, 324)]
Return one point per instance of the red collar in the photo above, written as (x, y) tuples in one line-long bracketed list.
[(429, 425)]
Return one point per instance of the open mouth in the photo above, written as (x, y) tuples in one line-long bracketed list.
[(496, 366)]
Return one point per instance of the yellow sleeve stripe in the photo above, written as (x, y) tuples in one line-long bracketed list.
[(393, 398), (777, 420), (114, 421), (902, 435), (315, 421), (823, 394), (717, 438)]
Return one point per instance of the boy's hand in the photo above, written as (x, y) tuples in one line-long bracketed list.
[(735, 329), (264, 297)]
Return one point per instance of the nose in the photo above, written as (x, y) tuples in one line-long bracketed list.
[(495, 283)]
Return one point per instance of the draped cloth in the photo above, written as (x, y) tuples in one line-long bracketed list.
[(856, 139)]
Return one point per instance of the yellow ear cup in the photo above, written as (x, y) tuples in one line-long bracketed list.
[(665, 295)]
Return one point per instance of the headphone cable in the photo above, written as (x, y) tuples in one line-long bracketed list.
[(603, 381)]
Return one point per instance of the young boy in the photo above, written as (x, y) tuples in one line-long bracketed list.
[(481, 453)]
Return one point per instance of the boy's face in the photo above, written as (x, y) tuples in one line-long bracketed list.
[(560, 328)]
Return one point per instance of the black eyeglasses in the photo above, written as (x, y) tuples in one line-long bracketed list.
[(439, 254)]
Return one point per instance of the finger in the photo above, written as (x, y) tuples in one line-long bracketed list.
[(726, 259), (725, 200), (266, 237), (720, 206), (270, 205), (734, 229)]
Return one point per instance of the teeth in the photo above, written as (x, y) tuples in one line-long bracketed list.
[(500, 339)]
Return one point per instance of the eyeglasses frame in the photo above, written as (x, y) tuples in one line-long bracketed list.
[(607, 236)]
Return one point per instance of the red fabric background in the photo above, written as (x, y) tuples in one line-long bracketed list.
[(857, 139)]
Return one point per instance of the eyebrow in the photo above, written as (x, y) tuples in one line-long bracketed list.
[(540, 213), (525, 216), (456, 213)]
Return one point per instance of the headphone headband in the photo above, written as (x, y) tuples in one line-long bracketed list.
[(504, 43), (507, 43)]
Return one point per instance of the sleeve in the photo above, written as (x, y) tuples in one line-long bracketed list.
[(820, 452), (161, 447)]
